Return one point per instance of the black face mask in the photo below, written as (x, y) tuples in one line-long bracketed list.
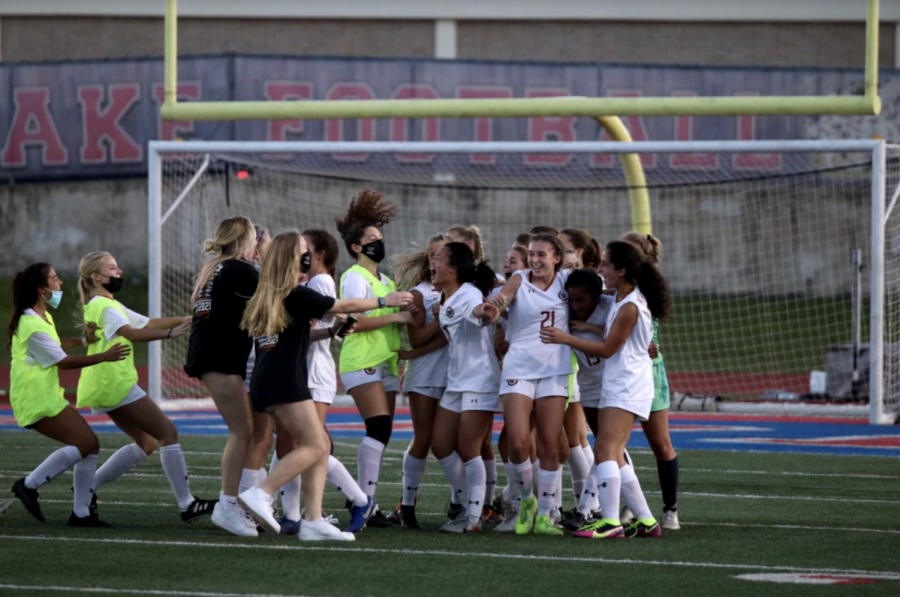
[(114, 285), (305, 262), (374, 250)]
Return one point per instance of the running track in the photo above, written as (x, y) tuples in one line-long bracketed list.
[(698, 431)]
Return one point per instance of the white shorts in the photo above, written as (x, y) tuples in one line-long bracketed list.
[(322, 396), (641, 408), (590, 398), (381, 373), (431, 392), (576, 393), (134, 394), (462, 401), (558, 385)]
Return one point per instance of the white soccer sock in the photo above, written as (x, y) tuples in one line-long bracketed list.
[(173, 465), (490, 468), (413, 471), (343, 481), (557, 498), (589, 501), (124, 459), (53, 466), (453, 468), (523, 476), (475, 481), (589, 455), (368, 463), (535, 468), (261, 475), (84, 473), (610, 483), (249, 478), (579, 469), (546, 491), (290, 498), (511, 491), (632, 494), (227, 501)]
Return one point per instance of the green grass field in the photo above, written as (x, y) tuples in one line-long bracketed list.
[(742, 513)]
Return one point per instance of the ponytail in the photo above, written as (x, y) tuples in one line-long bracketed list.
[(25, 291), (469, 270), (641, 272)]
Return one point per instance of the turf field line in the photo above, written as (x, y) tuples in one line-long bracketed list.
[(779, 473), (139, 591), (788, 527), (887, 575), (802, 498)]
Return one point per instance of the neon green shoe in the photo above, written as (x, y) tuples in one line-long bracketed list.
[(602, 529), (544, 526), (527, 513), (643, 527)]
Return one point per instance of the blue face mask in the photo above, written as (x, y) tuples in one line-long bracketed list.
[(55, 298)]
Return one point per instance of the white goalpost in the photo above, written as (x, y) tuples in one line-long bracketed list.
[(771, 308)]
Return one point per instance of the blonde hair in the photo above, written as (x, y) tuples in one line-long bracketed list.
[(265, 313), (234, 237), (87, 286), (647, 243), (415, 267), (471, 234)]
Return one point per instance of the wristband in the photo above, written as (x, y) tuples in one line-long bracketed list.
[(169, 334), (84, 340)]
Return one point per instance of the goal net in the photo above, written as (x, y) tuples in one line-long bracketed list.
[(770, 308)]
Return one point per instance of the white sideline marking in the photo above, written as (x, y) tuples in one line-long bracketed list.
[(465, 554), (139, 591)]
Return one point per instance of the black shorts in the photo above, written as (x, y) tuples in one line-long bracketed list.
[(198, 368), (266, 399)]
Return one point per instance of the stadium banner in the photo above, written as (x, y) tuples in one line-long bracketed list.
[(93, 119)]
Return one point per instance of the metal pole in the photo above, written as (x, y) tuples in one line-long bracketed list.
[(856, 341), (154, 300), (876, 298)]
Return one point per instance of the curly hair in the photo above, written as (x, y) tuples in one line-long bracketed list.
[(366, 209)]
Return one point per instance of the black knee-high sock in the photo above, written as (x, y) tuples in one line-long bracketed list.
[(668, 481)]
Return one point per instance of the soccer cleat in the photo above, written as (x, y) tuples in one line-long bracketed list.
[(91, 520), (473, 525), (6, 505), (408, 520), (258, 504), (509, 523), (322, 530), (394, 517), (457, 525), (643, 527), (197, 509), (288, 526), (490, 515), (626, 516), (556, 515), (332, 519), (378, 520), (525, 522), (92, 509), (29, 499), (597, 514), (500, 505), (453, 510), (543, 525), (360, 515), (574, 519), (670, 520), (234, 520), (602, 529)]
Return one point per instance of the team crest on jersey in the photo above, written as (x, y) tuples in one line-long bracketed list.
[(512, 382), (563, 296), (369, 370), (449, 311)]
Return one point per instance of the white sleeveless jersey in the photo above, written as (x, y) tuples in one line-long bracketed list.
[(430, 370), (533, 309), (319, 362), (590, 368), (472, 365), (628, 374)]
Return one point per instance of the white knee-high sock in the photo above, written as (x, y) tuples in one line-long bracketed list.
[(475, 481), (589, 499), (588, 455), (557, 497), (53, 466), (453, 467), (413, 471), (343, 481), (546, 491), (175, 468), (579, 469), (249, 479), (535, 467), (124, 459), (610, 481), (523, 474), (290, 499), (632, 494), (490, 468), (84, 473), (511, 491), (368, 462)]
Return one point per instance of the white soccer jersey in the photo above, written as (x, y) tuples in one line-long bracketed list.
[(533, 309), (319, 362), (590, 368), (628, 374), (430, 370), (471, 365)]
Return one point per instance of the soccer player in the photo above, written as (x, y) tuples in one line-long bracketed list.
[(656, 427), (535, 377), (627, 391), (37, 398), (218, 351), (368, 363), (472, 372), (279, 317), (111, 387)]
